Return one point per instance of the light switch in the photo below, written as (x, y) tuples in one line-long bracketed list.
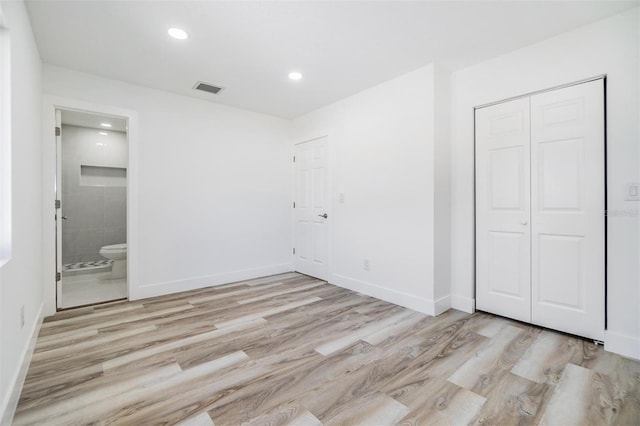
[(632, 191), (341, 198)]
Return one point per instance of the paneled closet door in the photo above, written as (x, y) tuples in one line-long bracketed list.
[(567, 208), (503, 210)]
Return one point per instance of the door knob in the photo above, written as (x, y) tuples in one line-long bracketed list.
[(324, 215), (64, 218), (524, 222)]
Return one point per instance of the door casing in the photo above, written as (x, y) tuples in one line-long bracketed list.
[(49, 106)]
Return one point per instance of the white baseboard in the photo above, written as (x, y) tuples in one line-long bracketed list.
[(442, 304), (10, 403), (168, 287), (464, 304), (621, 344), (420, 304)]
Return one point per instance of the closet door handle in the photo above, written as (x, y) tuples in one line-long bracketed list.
[(524, 222)]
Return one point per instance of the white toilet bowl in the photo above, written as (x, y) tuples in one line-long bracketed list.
[(117, 253)]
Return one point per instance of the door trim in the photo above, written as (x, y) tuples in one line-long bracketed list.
[(602, 77), (49, 105), (537, 92), (330, 162)]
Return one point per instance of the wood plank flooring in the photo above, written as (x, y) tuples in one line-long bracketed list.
[(290, 349)]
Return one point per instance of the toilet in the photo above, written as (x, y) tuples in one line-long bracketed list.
[(117, 253)]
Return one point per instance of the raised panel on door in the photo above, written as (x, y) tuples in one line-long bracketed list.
[(311, 232), (506, 252), (502, 210), (304, 234), (303, 188), (567, 183), (319, 181), (559, 166), (559, 266), (320, 242), (506, 178)]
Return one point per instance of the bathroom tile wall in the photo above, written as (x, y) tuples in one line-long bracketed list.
[(96, 215)]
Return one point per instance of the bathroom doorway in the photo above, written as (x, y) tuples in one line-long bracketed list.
[(91, 218)]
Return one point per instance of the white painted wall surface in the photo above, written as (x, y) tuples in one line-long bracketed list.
[(213, 185), (609, 47), (5, 143), (21, 277), (442, 188), (381, 158)]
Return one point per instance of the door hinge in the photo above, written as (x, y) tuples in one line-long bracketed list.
[(294, 251), (294, 158), (57, 131), (294, 204), (58, 204), (58, 276)]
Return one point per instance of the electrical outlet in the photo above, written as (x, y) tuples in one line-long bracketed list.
[(632, 191), (22, 316), (341, 198), (366, 265)]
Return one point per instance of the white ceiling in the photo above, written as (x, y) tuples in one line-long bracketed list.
[(93, 121), (249, 47)]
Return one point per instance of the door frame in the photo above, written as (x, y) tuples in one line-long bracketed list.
[(602, 77), (330, 162), (49, 163)]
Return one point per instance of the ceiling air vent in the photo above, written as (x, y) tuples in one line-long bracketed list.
[(207, 87)]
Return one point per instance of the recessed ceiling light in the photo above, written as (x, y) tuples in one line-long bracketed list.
[(295, 75), (103, 133), (106, 124), (178, 33)]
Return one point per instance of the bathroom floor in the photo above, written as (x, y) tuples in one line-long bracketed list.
[(85, 266), (85, 289)]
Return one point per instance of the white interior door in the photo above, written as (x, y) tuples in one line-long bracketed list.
[(567, 183), (311, 208), (58, 211), (503, 210), (540, 186)]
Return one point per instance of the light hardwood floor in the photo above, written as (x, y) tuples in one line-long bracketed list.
[(290, 349)]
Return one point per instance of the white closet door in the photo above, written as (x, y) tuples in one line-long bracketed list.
[(502, 210), (567, 183)]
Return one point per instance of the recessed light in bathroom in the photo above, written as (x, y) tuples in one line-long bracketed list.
[(106, 124), (295, 75), (103, 133), (178, 33)]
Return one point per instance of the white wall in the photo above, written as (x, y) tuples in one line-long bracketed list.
[(212, 181), (21, 277), (381, 144), (5, 143), (442, 188), (605, 47)]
